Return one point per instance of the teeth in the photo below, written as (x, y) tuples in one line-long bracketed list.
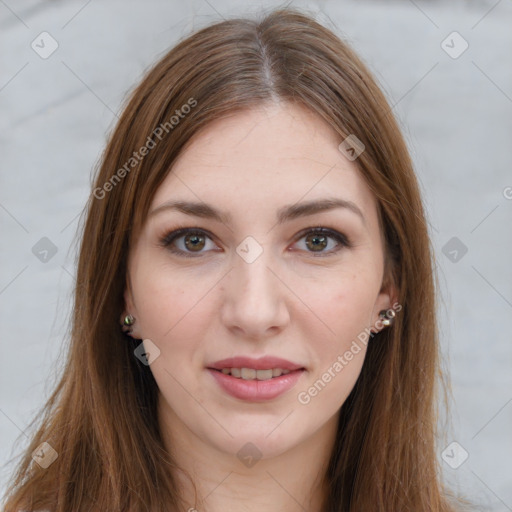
[(248, 373), (252, 374)]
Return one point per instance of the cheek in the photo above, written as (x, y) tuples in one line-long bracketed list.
[(345, 304), (172, 307), (345, 308), (339, 356)]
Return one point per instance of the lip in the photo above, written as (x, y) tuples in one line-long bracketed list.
[(263, 363), (256, 390)]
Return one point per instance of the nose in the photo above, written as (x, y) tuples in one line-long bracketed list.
[(254, 304)]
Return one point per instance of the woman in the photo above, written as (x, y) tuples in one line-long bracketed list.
[(254, 318)]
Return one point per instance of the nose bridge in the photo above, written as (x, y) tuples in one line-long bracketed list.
[(251, 272), (253, 300)]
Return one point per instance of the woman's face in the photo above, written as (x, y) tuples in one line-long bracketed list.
[(257, 279)]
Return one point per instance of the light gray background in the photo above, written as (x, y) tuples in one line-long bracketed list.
[(456, 114)]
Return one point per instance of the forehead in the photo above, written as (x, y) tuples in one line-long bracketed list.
[(264, 158)]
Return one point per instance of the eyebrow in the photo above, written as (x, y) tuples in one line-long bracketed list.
[(284, 214)]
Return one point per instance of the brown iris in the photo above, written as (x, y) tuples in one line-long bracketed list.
[(194, 241), (319, 242)]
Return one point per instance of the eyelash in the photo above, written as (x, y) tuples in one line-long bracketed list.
[(167, 240)]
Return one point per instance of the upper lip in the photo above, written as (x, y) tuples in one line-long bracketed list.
[(263, 363)]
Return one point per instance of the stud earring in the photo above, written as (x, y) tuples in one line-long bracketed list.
[(128, 322), (387, 316)]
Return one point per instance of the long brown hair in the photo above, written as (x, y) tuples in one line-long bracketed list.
[(102, 419)]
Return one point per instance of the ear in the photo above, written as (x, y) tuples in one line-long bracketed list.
[(129, 305), (387, 299), (130, 309)]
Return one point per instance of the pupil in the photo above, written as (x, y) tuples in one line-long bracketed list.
[(195, 240), (319, 241)]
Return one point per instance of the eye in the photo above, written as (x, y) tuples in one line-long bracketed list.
[(317, 239), (190, 242)]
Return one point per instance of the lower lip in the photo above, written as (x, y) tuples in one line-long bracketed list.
[(256, 390)]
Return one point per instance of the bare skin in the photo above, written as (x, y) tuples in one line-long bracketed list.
[(299, 301)]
